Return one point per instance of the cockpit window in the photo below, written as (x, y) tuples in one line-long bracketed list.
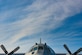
[(35, 48), (40, 48)]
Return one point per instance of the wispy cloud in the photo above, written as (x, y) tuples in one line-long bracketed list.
[(22, 19)]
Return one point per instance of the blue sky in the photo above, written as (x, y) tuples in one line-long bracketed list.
[(24, 22)]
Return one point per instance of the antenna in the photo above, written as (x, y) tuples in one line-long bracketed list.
[(40, 40)]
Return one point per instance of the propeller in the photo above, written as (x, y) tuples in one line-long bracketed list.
[(4, 49), (65, 46), (75, 53), (79, 50), (12, 52)]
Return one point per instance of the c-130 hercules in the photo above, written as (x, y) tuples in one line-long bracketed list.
[(40, 49)]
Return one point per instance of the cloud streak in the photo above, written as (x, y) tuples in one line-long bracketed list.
[(36, 19)]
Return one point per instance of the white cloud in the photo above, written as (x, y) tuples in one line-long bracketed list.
[(44, 15)]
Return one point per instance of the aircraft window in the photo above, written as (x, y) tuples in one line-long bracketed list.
[(35, 48), (40, 48)]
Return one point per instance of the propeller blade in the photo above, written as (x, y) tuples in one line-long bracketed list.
[(13, 51), (65, 46), (4, 49), (79, 50)]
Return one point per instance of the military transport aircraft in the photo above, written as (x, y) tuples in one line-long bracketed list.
[(41, 49), (44, 49)]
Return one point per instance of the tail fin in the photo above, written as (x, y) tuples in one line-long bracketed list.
[(4, 49)]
